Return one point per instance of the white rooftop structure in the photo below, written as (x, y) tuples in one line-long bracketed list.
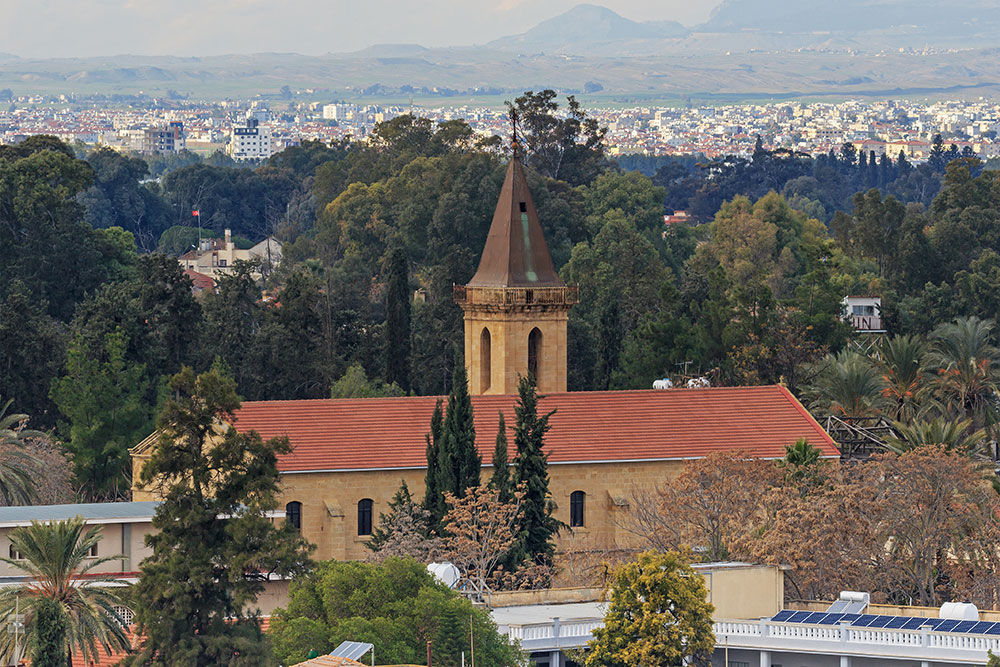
[(864, 312)]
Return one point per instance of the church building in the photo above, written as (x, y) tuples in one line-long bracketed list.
[(350, 455)]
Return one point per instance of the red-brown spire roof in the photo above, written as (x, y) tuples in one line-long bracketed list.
[(515, 254)]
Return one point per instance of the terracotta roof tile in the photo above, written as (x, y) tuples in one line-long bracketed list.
[(379, 433), (200, 280)]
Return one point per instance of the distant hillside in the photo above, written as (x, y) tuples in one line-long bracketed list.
[(579, 29), (930, 19), (391, 51)]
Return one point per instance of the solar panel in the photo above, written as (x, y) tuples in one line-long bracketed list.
[(352, 650), (914, 623), (878, 621), (847, 607), (946, 626)]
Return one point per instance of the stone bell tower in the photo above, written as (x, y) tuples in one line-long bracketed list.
[(516, 306)]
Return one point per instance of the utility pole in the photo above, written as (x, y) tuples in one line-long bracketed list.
[(197, 213), (429, 653)]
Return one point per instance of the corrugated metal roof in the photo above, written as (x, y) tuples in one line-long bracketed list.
[(91, 512), (388, 433)]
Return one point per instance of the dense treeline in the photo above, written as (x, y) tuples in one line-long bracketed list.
[(92, 319)]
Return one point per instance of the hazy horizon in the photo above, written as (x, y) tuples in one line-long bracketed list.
[(91, 28)]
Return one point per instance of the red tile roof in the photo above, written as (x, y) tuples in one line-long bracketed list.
[(200, 281), (380, 433)]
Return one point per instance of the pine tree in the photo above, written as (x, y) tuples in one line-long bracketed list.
[(397, 320), (401, 502), (938, 158), (452, 635), (537, 525), (433, 499), (195, 600), (500, 481), (403, 531)]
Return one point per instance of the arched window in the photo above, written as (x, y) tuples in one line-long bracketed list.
[(485, 360), (14, 553), (293, 514), (576, 500), (365, 517), (534, 353)]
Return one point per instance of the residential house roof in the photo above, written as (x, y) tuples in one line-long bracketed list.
[(199, 281)]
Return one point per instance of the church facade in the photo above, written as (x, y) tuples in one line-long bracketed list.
[(349, 456)]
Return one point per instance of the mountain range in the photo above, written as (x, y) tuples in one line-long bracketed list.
[(747, 49)]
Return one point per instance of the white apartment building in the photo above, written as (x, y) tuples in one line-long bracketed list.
[(340, 112), (250, 142)]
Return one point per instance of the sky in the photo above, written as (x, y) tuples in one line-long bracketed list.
[(77, 28)]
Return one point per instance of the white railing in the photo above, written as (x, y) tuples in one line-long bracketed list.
[(556, 634), (921, 644)]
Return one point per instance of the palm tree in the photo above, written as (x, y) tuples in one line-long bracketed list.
[(903, 372), (56, 558), (803, 464), (801, 454), (950, 434), (849, 386), (967, 368), (16, 484)]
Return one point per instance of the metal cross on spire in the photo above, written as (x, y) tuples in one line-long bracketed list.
[(513, 127)]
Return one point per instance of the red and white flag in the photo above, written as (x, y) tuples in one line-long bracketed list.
[(197, 213)]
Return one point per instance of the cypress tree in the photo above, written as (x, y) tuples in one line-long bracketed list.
[(500, 481), (48, 642), (537, 525), (460, 464), (610, 337), (397, 320), (433, 502)]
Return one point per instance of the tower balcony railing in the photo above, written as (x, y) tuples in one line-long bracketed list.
[(566, 295)]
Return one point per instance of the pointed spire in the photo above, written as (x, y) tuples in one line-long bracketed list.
[(515, 254)]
